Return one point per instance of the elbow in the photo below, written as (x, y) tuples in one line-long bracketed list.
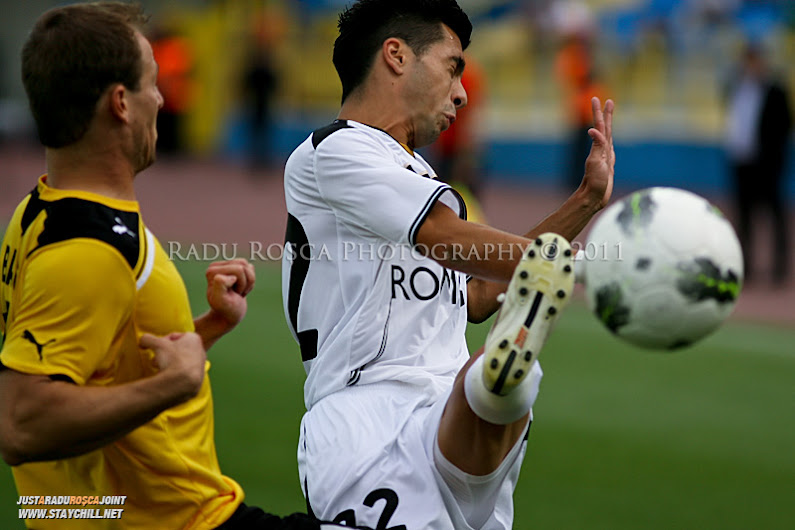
[(12, 447), (477, 317), (12, 458), (19, 445), (476, 313), (478, 308)]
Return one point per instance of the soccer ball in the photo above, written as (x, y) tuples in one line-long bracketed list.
[(662, 268)]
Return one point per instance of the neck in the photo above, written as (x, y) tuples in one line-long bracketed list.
[(104, 173), (379, 110)]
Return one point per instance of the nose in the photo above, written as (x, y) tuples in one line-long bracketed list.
[(459, 95)]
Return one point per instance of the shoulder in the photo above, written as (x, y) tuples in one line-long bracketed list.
[(324, 132), (349, 137), (72, 219)]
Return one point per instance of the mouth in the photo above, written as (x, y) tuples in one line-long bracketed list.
[(450, 119)]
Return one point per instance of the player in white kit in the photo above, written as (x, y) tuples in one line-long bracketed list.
[(403, 430)]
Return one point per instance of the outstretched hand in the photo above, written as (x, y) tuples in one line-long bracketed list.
[(601, 161), (228, 283)]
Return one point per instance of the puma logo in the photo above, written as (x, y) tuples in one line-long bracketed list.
[(39, 347), (121, 228)]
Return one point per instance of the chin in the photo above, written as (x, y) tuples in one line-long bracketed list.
[(146, 160), (427, 138)]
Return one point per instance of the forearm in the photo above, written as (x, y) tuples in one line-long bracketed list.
[(570, 219), (43, 419), (211, 326)]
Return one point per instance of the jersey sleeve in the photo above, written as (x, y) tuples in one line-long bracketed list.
[(364, 186), (73, 300)]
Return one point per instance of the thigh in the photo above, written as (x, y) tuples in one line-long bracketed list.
[(478, 501), (368, 459)]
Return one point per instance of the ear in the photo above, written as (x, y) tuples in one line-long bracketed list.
[(118, 105), (395, 54)]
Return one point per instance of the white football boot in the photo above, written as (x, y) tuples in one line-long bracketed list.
[(541, 287)]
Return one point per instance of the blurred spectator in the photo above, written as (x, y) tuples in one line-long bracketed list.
[(459, 149), (259, 88), (577, 75), (757, 141), (175, 58)]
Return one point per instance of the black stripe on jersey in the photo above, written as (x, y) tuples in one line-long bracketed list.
[(356, 374), (415, 227), (426, 174), (32, 210), (73, 218), (307, 341), (295, 239), (324, 132), (464, 215)]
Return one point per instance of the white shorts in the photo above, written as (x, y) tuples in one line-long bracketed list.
[(366, 457)]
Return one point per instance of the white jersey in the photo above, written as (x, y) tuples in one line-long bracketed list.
[(362, 303)]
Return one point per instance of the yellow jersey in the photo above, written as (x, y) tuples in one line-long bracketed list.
[(82, 279)]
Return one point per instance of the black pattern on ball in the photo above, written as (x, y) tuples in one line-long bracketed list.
[(610, 307), (701, 280), (638, 211)]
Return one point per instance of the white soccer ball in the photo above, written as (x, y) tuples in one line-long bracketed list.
[(663, 268)]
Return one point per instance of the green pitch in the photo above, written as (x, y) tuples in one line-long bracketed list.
[(622, 438)]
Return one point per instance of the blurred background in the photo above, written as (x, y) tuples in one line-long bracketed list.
[(624, 439), (243, 71)]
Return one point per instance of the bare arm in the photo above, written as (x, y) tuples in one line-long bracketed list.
[(493, 254), (497, 253), (228, 284), (44, 419)]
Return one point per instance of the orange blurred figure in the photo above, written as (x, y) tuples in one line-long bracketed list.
[(175, 59), (576, 73)]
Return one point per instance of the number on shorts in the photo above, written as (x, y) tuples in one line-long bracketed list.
[(348, 517)]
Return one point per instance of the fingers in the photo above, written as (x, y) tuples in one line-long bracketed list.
[(220, 284), (603, 118), (186, 338), (150, 342), (240, 271), (597, 137), (609, 107), (598, 115), (602, 132)]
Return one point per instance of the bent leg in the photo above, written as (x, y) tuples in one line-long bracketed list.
[(487, 412), (469, 442)]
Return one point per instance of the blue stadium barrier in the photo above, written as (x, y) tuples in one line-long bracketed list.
[(699, 167)]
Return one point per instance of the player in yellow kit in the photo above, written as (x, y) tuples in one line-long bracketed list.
[(103, 383), (82, 281)]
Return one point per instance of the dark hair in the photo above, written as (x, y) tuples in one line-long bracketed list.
[(368, 23), (72, 55)]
